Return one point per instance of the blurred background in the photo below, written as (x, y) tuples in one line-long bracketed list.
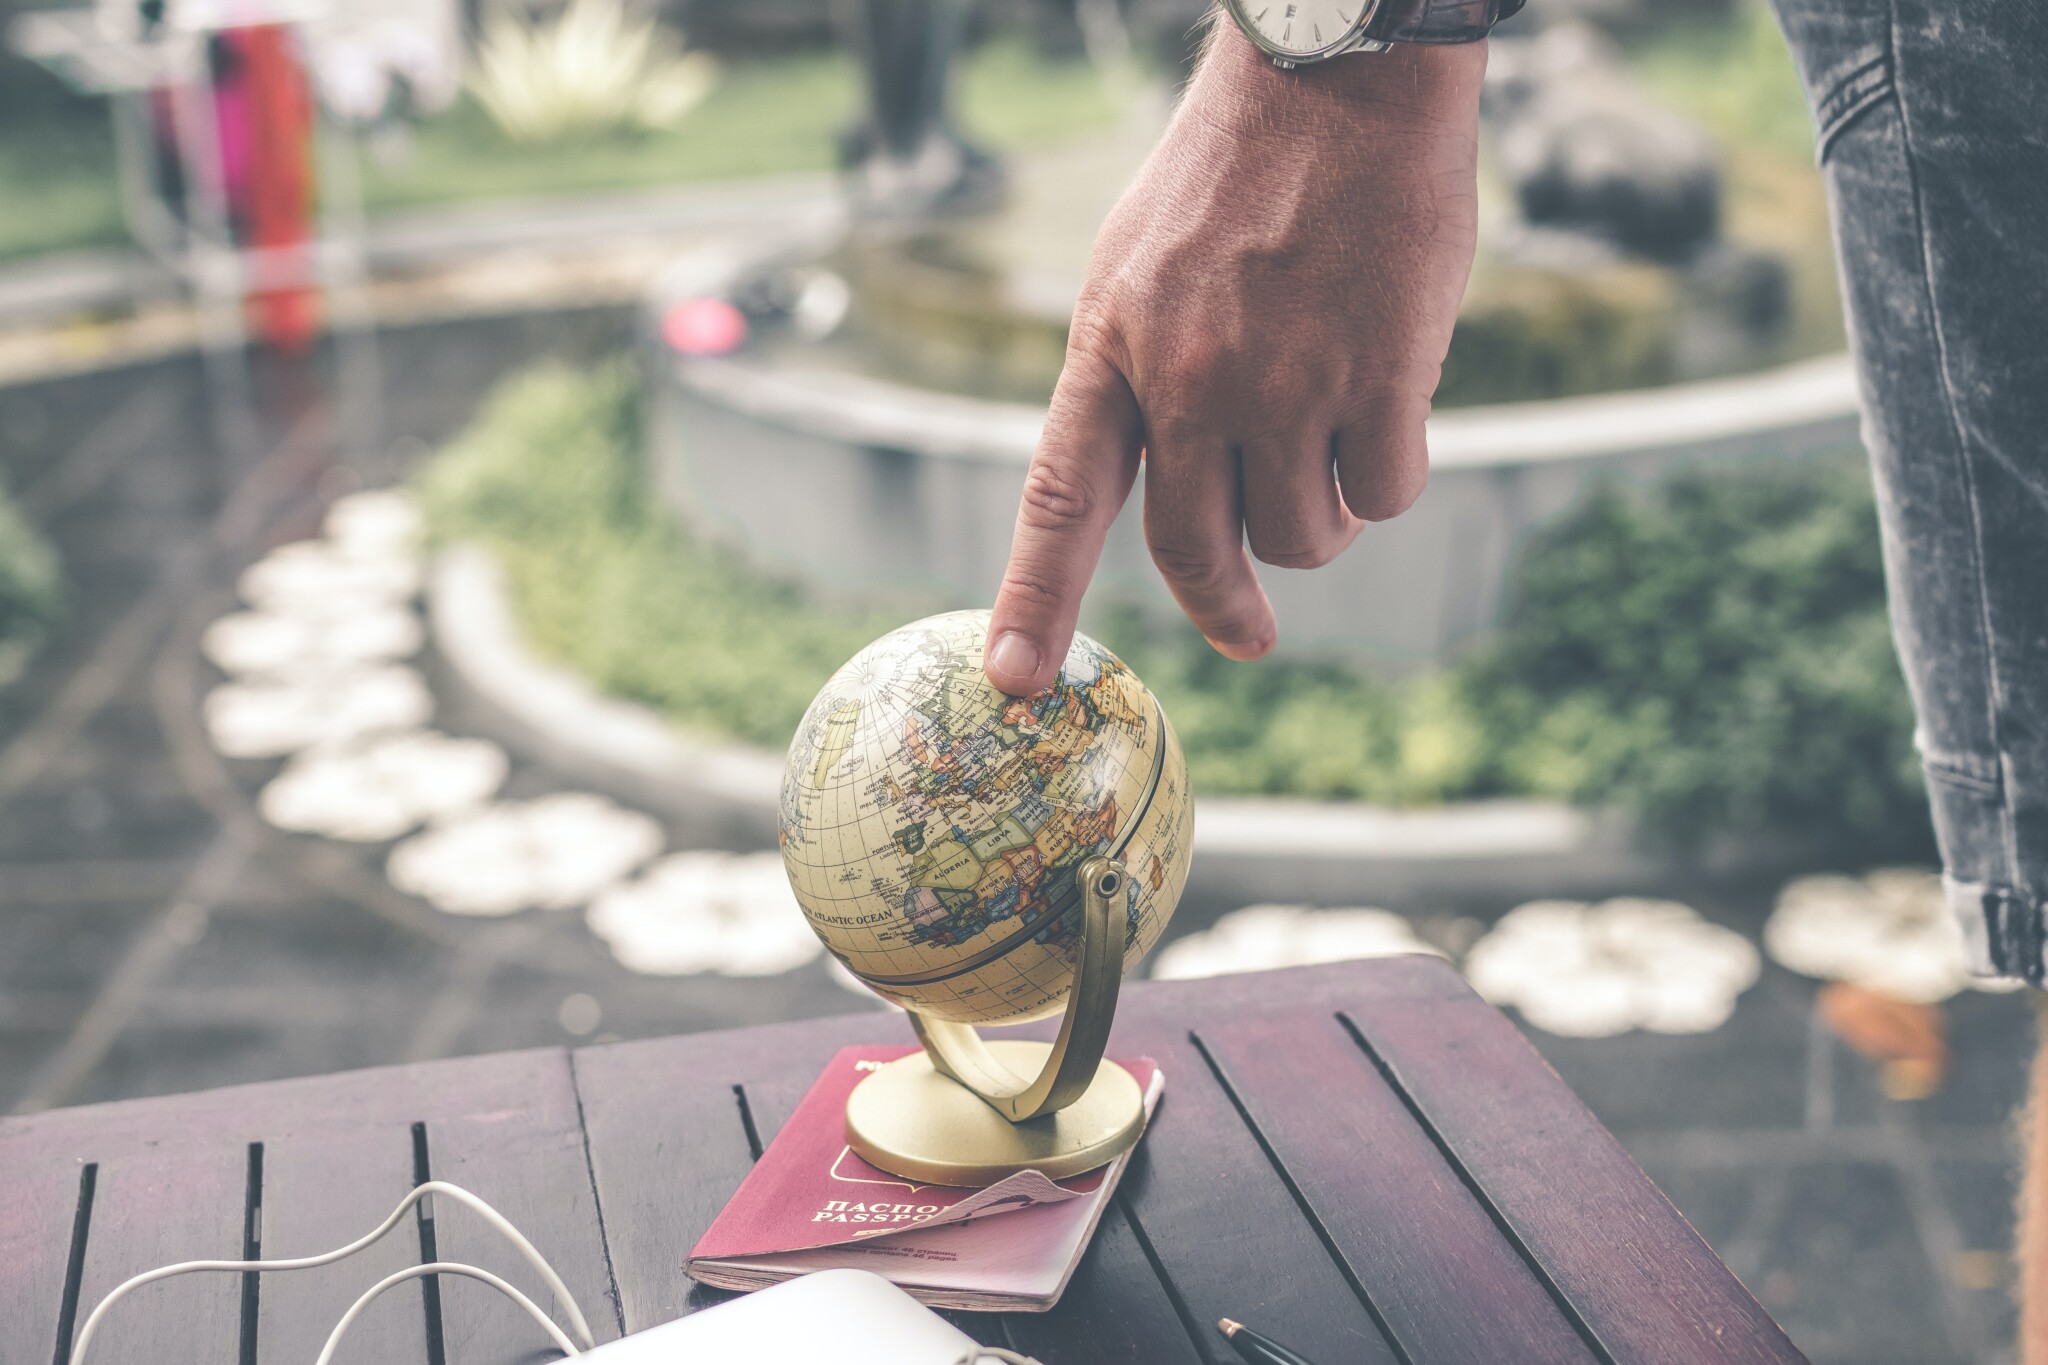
[(444, 445)]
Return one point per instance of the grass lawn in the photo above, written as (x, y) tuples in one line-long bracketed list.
[(765, 118), (1735, 76), (57, 189)]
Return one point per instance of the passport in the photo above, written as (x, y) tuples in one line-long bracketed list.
[(811, 1204)]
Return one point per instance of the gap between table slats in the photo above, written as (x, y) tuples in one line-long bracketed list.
[(45, 1230), (529, 1164), (321, 1191), (154, 1208), (667, 1145), (1642, 1285), (1226, 1236), (1418, 1245)]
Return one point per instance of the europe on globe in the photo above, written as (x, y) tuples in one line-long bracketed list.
[(932, 826)]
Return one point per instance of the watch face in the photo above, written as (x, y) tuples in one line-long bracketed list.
[(1302, 28)]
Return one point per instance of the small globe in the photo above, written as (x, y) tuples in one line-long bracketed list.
[(933, 827)]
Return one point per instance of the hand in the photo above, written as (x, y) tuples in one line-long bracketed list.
[(1265, 316)]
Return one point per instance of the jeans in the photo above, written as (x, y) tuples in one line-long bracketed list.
[(1933, 135)]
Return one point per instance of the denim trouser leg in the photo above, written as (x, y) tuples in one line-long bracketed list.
[(1933, 122)]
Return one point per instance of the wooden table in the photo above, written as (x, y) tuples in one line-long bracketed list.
[(1364, 1159)]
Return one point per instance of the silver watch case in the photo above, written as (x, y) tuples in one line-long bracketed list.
[(1352, 40)]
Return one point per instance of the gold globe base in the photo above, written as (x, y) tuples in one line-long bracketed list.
[(966, 1111), (911, 1120)]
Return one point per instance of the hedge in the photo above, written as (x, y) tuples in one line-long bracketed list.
[(1711, 656)]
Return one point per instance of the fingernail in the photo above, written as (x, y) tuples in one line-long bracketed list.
[(1013, 656)]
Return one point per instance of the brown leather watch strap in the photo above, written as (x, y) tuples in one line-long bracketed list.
[(1438, 21)]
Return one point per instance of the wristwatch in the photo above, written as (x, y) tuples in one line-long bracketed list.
[(1296, 32)]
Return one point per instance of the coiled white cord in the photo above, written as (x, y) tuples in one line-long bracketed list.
[(355, 1311), (490, 1215), (456, 1192)]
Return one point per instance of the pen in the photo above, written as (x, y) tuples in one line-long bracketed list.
[(1257, 1349)]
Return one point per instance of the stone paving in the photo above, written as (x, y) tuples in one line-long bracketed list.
[(157, 936)]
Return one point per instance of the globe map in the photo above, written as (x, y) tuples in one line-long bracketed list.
[(932, 827)]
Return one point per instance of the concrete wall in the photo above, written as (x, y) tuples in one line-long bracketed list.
[(870, 494)]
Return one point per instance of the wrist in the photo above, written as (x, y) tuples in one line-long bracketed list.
[(1238, 83)]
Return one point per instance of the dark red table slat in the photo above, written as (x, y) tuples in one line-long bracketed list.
[(1115, 1311), (323, 1190), (1449, 1287), (527, 1161), (152, 1208), (668, 1147), (37, 1214), (1643, 1283), (1229, 1236)]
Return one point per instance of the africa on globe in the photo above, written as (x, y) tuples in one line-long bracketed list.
[(932, 826)]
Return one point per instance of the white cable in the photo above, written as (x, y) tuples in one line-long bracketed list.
[(355, 1311), (456, 1192)]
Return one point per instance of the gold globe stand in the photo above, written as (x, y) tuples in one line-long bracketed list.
[(962, 1112)]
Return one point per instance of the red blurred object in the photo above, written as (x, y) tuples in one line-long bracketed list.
[(704, 327), (267, 146)]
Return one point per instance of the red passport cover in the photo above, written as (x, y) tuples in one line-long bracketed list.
[(810, 1190)]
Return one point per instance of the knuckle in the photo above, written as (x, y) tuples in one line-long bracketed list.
[(1192, 568), (1202, 357), (1092, 336), (1404, 392), (1187, 379), (1055, 498), (1025, 586), (1173, 428), (1391, 494), (1374, 409), (1286, 388)]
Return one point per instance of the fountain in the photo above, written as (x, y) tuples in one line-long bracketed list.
[(870, 436)]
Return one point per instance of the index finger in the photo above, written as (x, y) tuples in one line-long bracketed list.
[(1080, 475)]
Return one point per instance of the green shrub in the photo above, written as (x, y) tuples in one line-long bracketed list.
[(28, 595), (1301, 729), (1714, 656), (549, 478), (1711, 656)]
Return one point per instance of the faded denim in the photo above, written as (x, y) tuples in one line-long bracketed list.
[(1933, 132)]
